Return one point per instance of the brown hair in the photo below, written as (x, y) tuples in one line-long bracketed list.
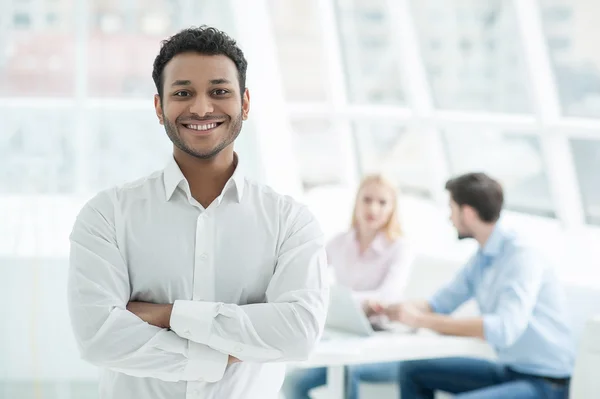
[(392, 227), (480, 192)]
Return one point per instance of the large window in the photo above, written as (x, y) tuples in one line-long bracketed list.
[(586, 154), (397, 151), (125, 145), (472, 55), (320, 152), (571, 28), (37, 62), (298, 36), (371, 57), (37, 151)]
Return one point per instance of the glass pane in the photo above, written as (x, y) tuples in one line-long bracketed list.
[(49, 390), (472, 56), (586, 154), (371, 61), (397, 151), (125, 38), (84, 390), (37, 151), (299, 40), (512, 158), (37, 50), (319, 152), (41, 363), (128, 144), (571, 28)]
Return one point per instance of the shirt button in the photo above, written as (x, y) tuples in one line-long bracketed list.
[(186, 333), (203, 256), (238, 348), (197, 391)]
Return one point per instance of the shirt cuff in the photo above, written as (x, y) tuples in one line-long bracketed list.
[(204, 364), (193, 319), (492, 330), (433, 304)]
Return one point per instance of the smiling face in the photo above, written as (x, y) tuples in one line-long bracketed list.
[(202, 108)]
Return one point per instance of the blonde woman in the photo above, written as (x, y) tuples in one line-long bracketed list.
[(372, 258)]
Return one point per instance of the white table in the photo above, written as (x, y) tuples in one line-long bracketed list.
[(387, 347)]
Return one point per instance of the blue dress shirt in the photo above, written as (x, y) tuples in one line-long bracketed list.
[(522, 304)]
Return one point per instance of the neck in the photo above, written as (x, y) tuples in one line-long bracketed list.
[(483, 233), (365, 238), (206, 177)]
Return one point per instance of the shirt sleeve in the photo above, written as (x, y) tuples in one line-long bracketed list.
[(395, 281), (457, 292), (289, 324), (523, 277), (107, 334)]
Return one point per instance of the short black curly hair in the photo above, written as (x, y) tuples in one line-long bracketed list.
[(202, 40)]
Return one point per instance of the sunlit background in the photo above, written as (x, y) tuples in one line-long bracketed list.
[(421, 89)]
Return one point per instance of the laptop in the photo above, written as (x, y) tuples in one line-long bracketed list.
[(346, 317)]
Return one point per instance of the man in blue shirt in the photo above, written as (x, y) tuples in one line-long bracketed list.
[(522, 311)]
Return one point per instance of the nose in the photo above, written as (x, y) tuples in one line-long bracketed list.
[(202, 105), (373, 208)]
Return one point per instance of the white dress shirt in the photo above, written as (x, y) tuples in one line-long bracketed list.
[(247, 277), (379, 274)]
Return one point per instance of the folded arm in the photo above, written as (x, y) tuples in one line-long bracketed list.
[(288, 325), (523, 276), (107, 334)]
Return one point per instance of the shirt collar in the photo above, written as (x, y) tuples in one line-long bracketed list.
[(378, 245), (173, 178), (495, 242)]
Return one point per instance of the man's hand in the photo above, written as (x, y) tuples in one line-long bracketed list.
[(152, 313), (160, 315), (406, 313)]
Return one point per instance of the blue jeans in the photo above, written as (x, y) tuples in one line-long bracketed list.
[(419, 379), (299, 382), (473, 379)]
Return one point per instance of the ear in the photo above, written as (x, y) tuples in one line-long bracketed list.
[(158, 109), (245, 104), (469, 212)]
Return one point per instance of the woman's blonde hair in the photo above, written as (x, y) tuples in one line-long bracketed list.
[(392, 228)]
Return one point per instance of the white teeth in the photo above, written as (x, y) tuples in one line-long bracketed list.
[(202, 127)]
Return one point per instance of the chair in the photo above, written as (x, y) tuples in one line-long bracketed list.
[(585, 383)]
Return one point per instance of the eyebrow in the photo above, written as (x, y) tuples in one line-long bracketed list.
[(181, 83), (188, 82), (219, 81)]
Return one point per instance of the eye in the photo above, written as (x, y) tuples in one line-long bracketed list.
[(367, 200), (220, 92), (382, 203), (182, 93)]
